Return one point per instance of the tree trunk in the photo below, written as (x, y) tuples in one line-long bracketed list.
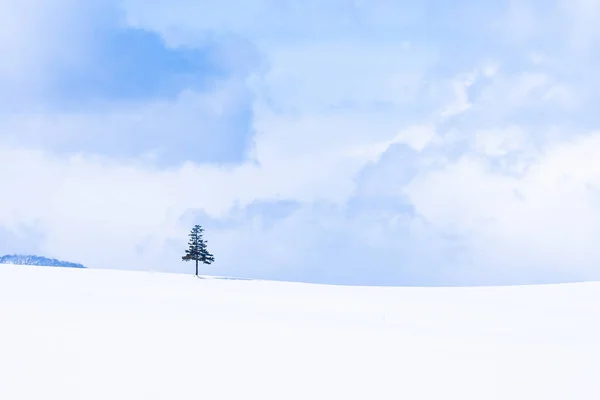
[(196, 267)]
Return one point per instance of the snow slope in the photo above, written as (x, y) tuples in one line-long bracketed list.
[(95, 334)]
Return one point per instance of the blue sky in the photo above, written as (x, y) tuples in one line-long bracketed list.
[(335, 141)]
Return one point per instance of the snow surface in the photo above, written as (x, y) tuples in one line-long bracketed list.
[(96, 334)]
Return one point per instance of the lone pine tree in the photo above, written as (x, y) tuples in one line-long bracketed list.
[(197, 250)]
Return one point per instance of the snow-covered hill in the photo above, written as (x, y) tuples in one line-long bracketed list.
[(95, 334), (19, 259)]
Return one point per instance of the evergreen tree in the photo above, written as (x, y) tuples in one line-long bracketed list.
[(197, 250)]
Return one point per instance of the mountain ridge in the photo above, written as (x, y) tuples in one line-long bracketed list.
[(20, 259)]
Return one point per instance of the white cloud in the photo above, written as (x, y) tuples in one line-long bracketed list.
[(344, 74), (508, 92), (461, 102), (500, 142), (417, 137), (563, 95), (37, 38), (546, 218), (490, 70), (201, 121)]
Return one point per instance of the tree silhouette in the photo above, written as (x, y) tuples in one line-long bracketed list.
[(197, 250)]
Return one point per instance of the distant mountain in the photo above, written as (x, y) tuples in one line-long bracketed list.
[(36, 260)]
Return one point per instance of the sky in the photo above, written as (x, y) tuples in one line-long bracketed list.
[(349, 142)]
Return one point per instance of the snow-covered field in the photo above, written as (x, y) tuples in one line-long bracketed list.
[(95, 334)]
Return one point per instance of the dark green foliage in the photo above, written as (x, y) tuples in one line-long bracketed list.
[(197, 250)]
